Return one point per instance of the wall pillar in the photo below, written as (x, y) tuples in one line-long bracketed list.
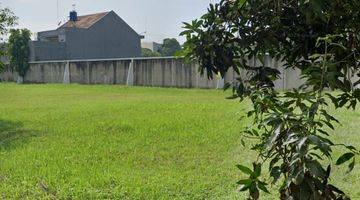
[(173, 73), (88, 73), (66, 79), (130, 76), (20, 79), (267, 60), (220, 83)]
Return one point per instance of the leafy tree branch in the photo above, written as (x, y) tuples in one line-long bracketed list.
[(318, 37)]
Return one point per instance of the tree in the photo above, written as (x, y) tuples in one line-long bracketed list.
[(148, 53), (19, 50), (291, 130), (170, 47), (7, 19)]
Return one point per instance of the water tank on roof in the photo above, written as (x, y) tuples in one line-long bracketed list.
[(73, 16)]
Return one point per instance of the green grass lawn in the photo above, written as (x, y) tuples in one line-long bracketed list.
[(113, 142)]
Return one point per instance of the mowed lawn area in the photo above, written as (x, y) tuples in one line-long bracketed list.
[(114, 142)]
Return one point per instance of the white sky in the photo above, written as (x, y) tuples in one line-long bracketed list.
[(160, 18)]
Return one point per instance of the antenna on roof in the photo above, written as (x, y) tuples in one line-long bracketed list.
[(58, 20), (57, 11)]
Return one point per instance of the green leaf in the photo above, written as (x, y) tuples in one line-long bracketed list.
[(254, 191), (329, 117), (244, 169), (245, 187), (351, 166), (244, 182), (187, 32), (352, 148), (257, 170), (242, 142), (274, 137), (262, 186), (316, 168), (345, 157), (316, 155), (324, 147), (299, 178), (301, 143), (328, 171), (273, 162), (333, 99), (241, 3), (328, 124), (323, 132), (290, 141), (275, 173), (337, 190)]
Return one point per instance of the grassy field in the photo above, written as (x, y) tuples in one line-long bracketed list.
[(113, 142)]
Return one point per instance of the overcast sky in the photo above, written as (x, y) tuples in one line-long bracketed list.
[(160, 18)]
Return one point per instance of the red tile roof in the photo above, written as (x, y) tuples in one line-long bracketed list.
[(85, 21)]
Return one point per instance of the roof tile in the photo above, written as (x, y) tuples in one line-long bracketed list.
[(85, 21)]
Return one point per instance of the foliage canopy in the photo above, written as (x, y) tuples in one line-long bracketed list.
[(19, 50), (148, 53), (7, 19), (170, 47)]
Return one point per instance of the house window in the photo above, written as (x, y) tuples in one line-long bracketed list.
[(62, 38)]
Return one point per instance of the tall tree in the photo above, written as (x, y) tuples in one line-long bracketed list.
[(7, 19), (320, 38), (170, 47), (19, 50), (148, 53)]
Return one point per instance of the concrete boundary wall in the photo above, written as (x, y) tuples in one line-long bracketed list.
[(153, 72)]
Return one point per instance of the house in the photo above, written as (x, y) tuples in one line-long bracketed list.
[(96, 36)]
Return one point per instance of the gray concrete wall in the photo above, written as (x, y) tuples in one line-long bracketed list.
[(46, 73), (99, 72), (154, 72), (8, 75), (169, 72)]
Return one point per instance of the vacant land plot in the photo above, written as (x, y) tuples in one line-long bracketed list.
[(81, 142)]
